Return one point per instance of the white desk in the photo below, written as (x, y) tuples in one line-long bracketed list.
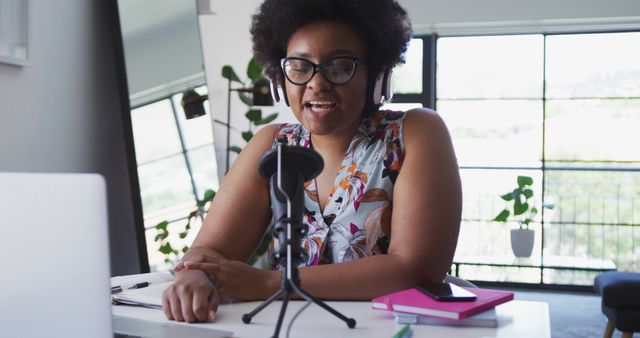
[(520, 319)]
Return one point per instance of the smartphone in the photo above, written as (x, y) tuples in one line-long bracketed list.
[(446, 292)]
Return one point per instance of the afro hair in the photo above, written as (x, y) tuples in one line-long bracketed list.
[(384, 24)]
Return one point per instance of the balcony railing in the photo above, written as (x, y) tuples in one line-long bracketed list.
[(594, 226)]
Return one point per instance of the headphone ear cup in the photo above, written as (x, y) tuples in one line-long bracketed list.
[(377, 89), (274, 91), (387, 89), (382, 87), (278, 93)]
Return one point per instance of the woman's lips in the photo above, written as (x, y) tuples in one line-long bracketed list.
[(320, 107)]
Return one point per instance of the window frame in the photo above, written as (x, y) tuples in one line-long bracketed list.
[(429, 99)]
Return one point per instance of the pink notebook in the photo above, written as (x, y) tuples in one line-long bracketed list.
[(416, 302)]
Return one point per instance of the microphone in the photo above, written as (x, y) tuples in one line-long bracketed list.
[(287, 168)]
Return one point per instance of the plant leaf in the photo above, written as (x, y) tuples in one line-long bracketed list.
[(183, 234), (254, 115), (162, 225), (534, 211), (254, 72), (209, 195), (246, 98), (507, 197), (266, 119), (235, 149), (247, 135), (229, 74), (516, 195), (166, 249), (526, 221), (520, 208), (502, 216), (528, 193), (185, 249), (524, 180)]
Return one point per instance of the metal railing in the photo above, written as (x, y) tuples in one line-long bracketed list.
[(594, 226)]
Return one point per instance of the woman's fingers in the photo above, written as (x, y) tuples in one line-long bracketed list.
[(174, 304), (201, 305), (187, 299), (210, 268), (179, 267), (213, 301), (166, 305)]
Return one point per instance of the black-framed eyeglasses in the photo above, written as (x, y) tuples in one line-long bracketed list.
[(337, 70)]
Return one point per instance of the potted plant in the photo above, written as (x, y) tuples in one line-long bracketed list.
[(252, 92), (520, 209)]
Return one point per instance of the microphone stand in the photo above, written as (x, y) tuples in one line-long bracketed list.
[(294, 231)]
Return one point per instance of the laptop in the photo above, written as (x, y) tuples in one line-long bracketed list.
[(55, 262), (54, 240)]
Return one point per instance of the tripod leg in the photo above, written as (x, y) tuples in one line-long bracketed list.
[(246, 318), (283, 309), (351, 323)]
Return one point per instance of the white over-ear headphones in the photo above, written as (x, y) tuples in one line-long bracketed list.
[(277, 92), (381, 89)]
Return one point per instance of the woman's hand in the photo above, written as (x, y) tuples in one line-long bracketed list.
[(234, 279), (192, 298)]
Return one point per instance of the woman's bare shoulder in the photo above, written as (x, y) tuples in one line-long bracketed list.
[(424, 124)]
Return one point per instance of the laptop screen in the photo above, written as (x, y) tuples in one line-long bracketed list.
[(56, 255)]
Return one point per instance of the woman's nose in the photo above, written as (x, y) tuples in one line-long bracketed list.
[(318, 82)]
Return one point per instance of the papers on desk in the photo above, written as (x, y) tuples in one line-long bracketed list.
[(127, 290)]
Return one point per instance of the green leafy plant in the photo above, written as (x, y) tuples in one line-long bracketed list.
[(256, 83), (172, 253), (519, 203)]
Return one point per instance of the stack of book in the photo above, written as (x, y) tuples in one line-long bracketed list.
[(411, 306)]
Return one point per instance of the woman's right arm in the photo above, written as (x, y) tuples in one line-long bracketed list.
[(236, 221)]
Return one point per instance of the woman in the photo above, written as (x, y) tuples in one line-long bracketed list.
[(326, 55)]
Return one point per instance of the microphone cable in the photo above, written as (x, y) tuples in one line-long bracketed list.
[(296, 316)]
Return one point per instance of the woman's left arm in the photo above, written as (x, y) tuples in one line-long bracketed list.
[(425, 222)]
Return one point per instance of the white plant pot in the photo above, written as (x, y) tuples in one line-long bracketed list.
[(522, 242)]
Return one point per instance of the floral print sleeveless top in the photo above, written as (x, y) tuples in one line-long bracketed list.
[(356, 220)]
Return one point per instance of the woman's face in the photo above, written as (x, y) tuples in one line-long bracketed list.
[(322, 107)]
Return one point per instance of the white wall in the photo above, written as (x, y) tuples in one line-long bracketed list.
[(472, 15), (226, 39), (62, 113)]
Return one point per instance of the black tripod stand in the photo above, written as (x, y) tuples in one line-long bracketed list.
[(287, 203)]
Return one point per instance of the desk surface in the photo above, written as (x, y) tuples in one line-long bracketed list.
[(515, 319)]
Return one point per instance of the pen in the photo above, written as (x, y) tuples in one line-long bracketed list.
[(405, 332), (119, 288)]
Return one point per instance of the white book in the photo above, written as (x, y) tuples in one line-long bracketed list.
[(483, 319), (143, 289)]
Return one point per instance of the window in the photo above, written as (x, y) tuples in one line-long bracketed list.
[(176, 164), (561, 108)]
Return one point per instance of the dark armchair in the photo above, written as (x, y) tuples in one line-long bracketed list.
[(620, 301)]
